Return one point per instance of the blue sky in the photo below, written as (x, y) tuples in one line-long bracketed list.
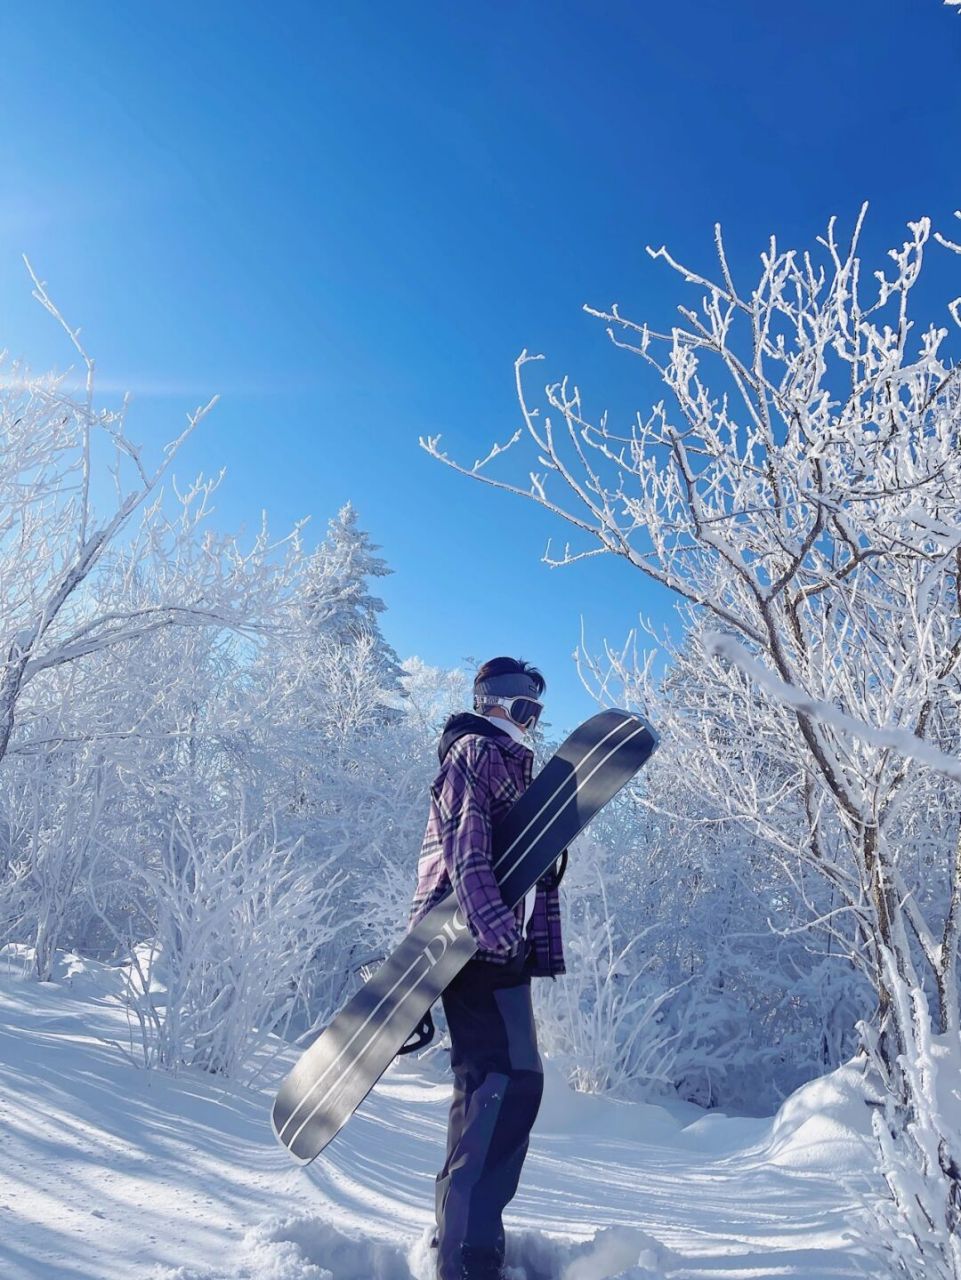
[(349, 220)]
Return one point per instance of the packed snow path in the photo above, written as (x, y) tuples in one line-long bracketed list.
[(108, 1171)]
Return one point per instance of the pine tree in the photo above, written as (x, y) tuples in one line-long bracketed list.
[(338, 603)]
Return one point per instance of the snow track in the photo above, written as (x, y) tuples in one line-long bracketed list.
[(110, 1172)]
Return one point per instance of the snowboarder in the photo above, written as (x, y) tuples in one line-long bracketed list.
[(486, 764)]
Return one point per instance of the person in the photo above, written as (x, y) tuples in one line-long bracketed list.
[(486, 765)]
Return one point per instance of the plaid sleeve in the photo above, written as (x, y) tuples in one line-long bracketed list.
[(463, 799)]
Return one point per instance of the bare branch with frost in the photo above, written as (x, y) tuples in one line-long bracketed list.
[(54, 545), (905, 742)]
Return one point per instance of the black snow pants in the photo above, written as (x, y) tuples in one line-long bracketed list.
[(498, 1082)]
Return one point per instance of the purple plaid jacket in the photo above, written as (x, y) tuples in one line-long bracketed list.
[(483, 772)]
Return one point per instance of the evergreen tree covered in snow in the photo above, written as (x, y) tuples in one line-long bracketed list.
[(338, 602)]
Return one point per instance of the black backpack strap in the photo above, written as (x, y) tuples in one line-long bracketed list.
[(424, 1034), (551, 879)]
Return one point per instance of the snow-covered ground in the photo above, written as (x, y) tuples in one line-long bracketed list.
[(110, 1172)]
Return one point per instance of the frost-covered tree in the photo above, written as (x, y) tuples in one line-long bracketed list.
[(734, 922), (800, 488), (433, 694), (56, 453), (337, 598), (100, 565)]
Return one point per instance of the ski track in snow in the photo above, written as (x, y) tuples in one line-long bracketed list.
[(108, 1171)]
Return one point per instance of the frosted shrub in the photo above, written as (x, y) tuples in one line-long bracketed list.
[(771, 1004), (347, 780), (603, 1021), (233, 917), (56, 793)]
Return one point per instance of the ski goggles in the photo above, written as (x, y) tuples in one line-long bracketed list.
[(525, 712)]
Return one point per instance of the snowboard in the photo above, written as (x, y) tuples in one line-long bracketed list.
[(334, 1075)]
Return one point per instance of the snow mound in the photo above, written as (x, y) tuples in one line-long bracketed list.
[(825, 1123), (614, 1253), (302, 1248), (307, 1248), (564, 1111)]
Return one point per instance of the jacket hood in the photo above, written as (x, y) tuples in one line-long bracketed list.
[(466, 722)]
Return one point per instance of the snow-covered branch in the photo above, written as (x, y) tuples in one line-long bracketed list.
[(902, 740)]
